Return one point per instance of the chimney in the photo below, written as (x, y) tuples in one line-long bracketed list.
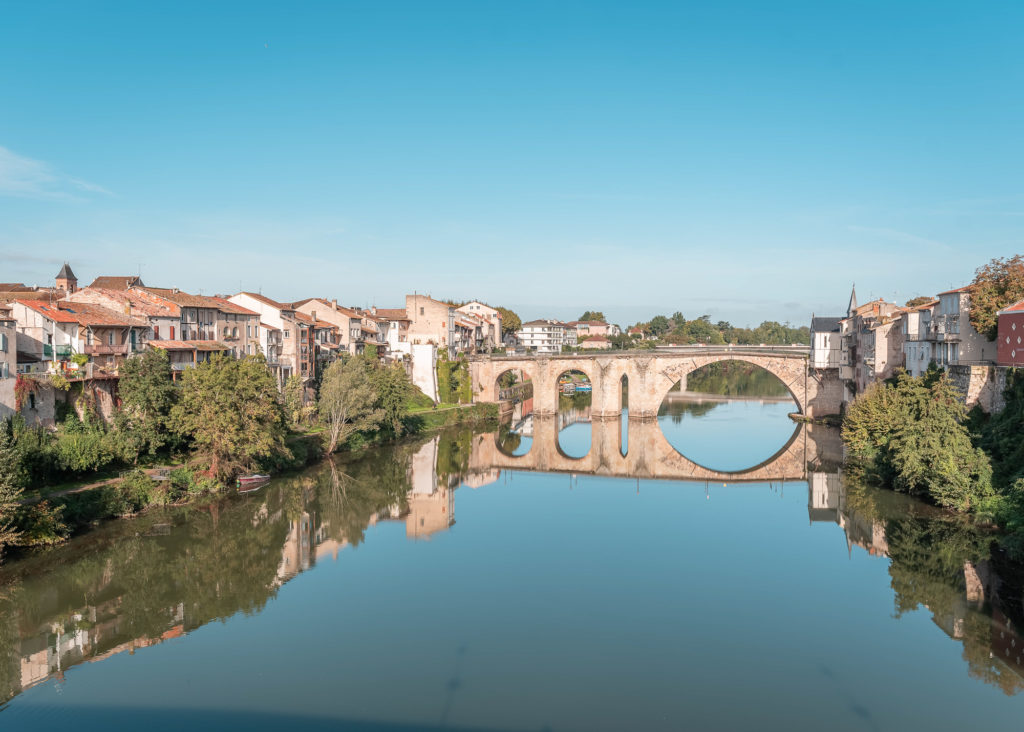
[(312, 314), (334, 305)]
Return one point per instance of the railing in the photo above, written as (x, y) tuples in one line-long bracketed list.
[(101, 349)]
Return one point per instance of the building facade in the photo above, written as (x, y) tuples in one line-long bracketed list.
[(1010, 341)]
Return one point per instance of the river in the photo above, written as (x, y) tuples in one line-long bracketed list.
[(430, 585)]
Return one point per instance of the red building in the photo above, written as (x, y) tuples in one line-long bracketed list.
[(1011, 335)]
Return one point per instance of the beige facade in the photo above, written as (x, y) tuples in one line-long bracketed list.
[(431, 321), (348, 321), (490, 323), (956, 340), (293, 330)]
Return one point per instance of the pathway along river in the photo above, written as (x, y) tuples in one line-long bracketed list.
[(418, 588)]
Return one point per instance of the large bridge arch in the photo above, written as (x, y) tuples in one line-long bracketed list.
[(817, 392), (792, 375)]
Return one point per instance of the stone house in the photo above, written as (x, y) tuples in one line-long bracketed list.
[(432, 321), (56, 331), (871, 344), (162, 315), (283, 317), (491, 318), (956, 340), (351, 332), (596, 342), (918, 338)]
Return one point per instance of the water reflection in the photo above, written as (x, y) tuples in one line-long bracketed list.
[(136, 584)]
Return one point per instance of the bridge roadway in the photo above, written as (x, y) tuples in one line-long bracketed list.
[(651, 373), (650, 456)]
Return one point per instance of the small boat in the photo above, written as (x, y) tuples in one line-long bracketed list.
[(249, 483)]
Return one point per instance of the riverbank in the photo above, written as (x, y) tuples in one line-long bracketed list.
[(60, 513)]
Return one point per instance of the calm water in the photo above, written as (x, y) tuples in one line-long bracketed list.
[(421, 587)]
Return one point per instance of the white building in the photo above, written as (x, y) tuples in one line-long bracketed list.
[(918, 338), (956, 340), (542, 336), (491, 319), (826, 343)]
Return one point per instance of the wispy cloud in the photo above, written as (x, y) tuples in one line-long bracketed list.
[(898, 237), (29, 178)]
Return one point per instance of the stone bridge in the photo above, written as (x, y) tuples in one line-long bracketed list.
[(649, 455), (650, 375)]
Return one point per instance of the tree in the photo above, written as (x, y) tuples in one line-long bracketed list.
[(148, 394), (294, 399), (230, 409), (10, 484), (393, 392), (996, 285), (510, 321), (910, 436), (593, 315), (348, 402), (919, 300), (658, 326)]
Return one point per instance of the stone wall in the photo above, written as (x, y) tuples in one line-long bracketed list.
[(981, 385)]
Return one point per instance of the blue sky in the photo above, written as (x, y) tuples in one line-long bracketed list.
[(744, 159)]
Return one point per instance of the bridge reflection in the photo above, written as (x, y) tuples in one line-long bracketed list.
[(650, 455)]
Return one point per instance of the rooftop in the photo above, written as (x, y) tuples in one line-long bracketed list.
[(825, 325), (116, 283), (82, 313), (189, 345), (1017, 307), (267, 301), (959, 289)]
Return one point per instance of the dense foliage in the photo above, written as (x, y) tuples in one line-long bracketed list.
[(910, 435), (348, 402), (147, 393), (678, 330), (10, 484), (231, 410), (996, 285)]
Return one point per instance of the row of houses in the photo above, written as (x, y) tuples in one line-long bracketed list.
[(877, 338), (86, 333), (551, 336)]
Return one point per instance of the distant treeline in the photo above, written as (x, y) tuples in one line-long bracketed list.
[(677, 329)]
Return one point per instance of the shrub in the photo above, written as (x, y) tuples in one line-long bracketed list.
[(42, 524)]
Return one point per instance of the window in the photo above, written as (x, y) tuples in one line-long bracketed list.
[(234, 332), (421, 311), (172, 332), (156, 332), (248, 331), (287, 334), (3, 343), (31, 400), (110, 338)]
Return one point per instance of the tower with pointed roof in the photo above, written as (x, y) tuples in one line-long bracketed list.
[(66, 279), (853, 301)]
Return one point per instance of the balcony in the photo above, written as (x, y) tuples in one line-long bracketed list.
[(102, 349), (56, 351)]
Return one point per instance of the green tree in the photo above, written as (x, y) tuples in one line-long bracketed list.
[(148, 394), (10, 484), (230, 409), (393, 393), (996, 285), (593, 315), (510, 321), (294, 399), (347, 402), (919, 300), (658, 326), (909, 435)]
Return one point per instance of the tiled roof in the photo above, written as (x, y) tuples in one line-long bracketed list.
[(825, 325), (959, 289), (117, 283), (924, 306), (15, 287), (393, 313), (267, 327), (141, 302), (82, 313), (183, 298), (303, 318), (267, 301), (226, 306), (66, 273), (189, 345), (1017, 307)]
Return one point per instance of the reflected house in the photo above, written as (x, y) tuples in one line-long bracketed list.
[(297, 549), (824, 497), (431, 504)]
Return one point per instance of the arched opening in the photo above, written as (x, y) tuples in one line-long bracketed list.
[(575, 393), (728, 416), (624, 416), (515, 395)]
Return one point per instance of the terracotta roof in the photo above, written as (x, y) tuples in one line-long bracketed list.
[(303, 318), (141, 302), (267, 327), (183, 298), (267, 301), (82, 313), (117, 283), (959, 289), (189, 345), (393, 313), (226, 306), (1017, 307), (15, 287), (924, 306)]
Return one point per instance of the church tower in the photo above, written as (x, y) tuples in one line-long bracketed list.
[(66, 279)]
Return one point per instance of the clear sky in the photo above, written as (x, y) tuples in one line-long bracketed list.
[(745, 159)]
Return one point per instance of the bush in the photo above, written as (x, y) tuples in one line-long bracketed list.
[(133, 493), (42, 524)]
